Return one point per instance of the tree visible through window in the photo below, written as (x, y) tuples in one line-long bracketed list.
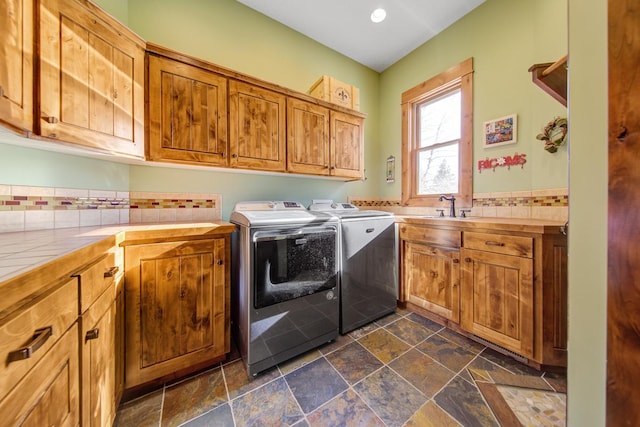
[(437, 135)]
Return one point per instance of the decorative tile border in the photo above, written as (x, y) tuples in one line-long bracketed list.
[(550, 204), (139, 203), (25, 208), (21, 203)]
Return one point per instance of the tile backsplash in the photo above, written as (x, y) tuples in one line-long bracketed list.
[(25, 208), (551, 204)]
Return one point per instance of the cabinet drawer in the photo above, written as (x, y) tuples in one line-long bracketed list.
[(49, 393), (95, 279), (435, 236), (57, 310), (499, 243)]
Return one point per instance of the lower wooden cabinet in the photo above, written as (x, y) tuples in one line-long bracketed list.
[(432, 279), (497, 299), (177, 299), (504, 286), (98, 352), (48, 395)]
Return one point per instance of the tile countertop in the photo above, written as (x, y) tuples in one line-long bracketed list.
[(31, 257), (524, 225)]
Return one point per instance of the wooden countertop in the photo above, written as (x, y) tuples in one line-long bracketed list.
[(30, 258), (524, 225)]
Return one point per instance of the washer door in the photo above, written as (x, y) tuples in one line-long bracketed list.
[(293, 263)]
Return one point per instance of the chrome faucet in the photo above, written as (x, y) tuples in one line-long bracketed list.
[(452, 206)]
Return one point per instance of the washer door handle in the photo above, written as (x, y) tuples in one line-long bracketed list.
[(370, 230)]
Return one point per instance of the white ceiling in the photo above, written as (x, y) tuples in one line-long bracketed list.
[(345, 25)]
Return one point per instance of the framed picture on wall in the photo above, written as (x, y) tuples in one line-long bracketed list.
[(501, 131)]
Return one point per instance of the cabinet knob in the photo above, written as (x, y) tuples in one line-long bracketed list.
[(455, 260), (219, 262), (40, 336), (92, 334), (467, 259), (234, 156), (50, 119)]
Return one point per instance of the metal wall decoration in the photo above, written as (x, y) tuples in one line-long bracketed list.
[(391, 169), (504, 161)]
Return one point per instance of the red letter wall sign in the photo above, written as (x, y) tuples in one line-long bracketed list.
[(508, 161)]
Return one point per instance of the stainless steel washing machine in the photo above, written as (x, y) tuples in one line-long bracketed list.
[(368, 263)]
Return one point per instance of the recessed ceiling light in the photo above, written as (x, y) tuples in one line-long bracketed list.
[(378, 15)]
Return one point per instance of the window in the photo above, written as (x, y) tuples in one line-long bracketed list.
[(437, 138)]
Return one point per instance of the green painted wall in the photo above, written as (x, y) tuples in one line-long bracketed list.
[(119, 9), (505, 37), (29, 166), (588, 212)]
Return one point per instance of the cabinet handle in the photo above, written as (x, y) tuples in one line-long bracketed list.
[(40, 336), (219, 262), (50, 119), (455, 260), (111, 271), (467, 259), (490, 243), (92, 334)]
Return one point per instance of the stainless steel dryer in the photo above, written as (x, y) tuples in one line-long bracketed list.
[(285, 287), (369, 263)]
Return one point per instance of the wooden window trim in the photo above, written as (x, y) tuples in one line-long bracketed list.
[(461, 76)]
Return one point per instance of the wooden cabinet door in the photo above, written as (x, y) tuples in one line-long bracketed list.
[(432, 279), (497, 299), (98, 355), (49, 394), (256, 127), (347, 145), (16, 63), (177, 302), (187, 113), (91, 79), (307, 138)]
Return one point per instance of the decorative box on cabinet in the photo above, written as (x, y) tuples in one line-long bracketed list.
[(16, 55), (187, 113), (177, 307), (91, 72)]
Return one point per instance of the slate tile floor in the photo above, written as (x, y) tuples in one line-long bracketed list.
[(402, 370)]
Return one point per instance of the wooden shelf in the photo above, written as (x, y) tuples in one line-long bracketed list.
[(552, 78)]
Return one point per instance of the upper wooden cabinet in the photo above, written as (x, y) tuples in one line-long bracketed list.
[(91, 79), (187, 113), (16, 63), (323, 142), (347, 145), (307, 138), (257, 127)]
